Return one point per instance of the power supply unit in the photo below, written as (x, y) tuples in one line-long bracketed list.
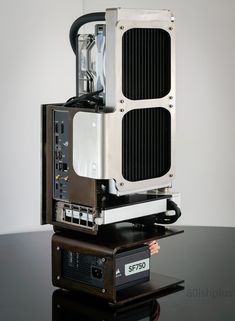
[(109, 264), (108, 152)]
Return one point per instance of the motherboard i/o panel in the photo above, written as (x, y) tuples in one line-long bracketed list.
[(60, 159)]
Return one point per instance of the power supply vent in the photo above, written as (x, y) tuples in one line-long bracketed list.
[(146, 143), (146, 63), (76, 266), (82, 268)]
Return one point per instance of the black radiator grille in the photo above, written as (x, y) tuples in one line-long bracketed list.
[(146, 66), (146, 143)]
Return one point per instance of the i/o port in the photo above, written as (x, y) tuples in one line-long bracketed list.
[(56, 127), (58, 155), (62, 128), (65, 167), (61, 156)]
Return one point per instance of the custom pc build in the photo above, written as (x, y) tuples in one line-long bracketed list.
[(108, 152)]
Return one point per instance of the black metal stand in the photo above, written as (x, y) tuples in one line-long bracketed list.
[(110, 241)]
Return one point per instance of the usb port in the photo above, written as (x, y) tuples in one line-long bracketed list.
[(62, 128), (65, 167), (58, 155), (56, 140), (56, 185)]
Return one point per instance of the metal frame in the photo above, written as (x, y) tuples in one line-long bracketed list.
[(102, 157), (89, 219)]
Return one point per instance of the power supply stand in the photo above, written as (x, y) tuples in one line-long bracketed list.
[(110, 241)]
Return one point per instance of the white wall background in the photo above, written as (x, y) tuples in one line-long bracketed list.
[(37, 66)]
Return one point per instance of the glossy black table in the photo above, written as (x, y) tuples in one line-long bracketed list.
[(203, 257)]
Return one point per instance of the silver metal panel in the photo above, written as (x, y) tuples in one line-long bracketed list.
[(131, 211), (88, 147), (100, 157), (118, 21), (140, 14), (85, 215)]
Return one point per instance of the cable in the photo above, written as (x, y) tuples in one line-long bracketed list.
[(163, 218), (90, 17), (86, 100)]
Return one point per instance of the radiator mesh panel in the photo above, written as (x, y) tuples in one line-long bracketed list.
[(146, 143), (146, 63)]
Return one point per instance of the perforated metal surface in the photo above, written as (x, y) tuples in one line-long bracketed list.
[(146, 143), (146, 67)]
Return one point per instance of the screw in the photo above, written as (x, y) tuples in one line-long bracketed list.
[(103, 259), (121, 27), (170, 28), (58, 248), (170, 106), (121, 184), (121, 101), (58, 277), (122, 110), (103, 290), (171, 175), (170, 97)]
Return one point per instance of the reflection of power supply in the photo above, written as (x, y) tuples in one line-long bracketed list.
[(67, 306)]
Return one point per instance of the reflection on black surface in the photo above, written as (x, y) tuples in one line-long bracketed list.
[(68, 306)]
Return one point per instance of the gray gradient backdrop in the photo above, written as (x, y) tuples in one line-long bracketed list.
[(37, 66)]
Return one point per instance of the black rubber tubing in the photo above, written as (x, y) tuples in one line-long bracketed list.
[(162, 218), (79, 22)]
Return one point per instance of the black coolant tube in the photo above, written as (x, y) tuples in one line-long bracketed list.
[(90, 17), (163, 218)]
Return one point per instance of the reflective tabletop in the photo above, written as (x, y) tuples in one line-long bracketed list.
[(203, 256)]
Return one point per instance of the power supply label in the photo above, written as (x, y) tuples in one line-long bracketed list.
[(136, 267), (132, 267)]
